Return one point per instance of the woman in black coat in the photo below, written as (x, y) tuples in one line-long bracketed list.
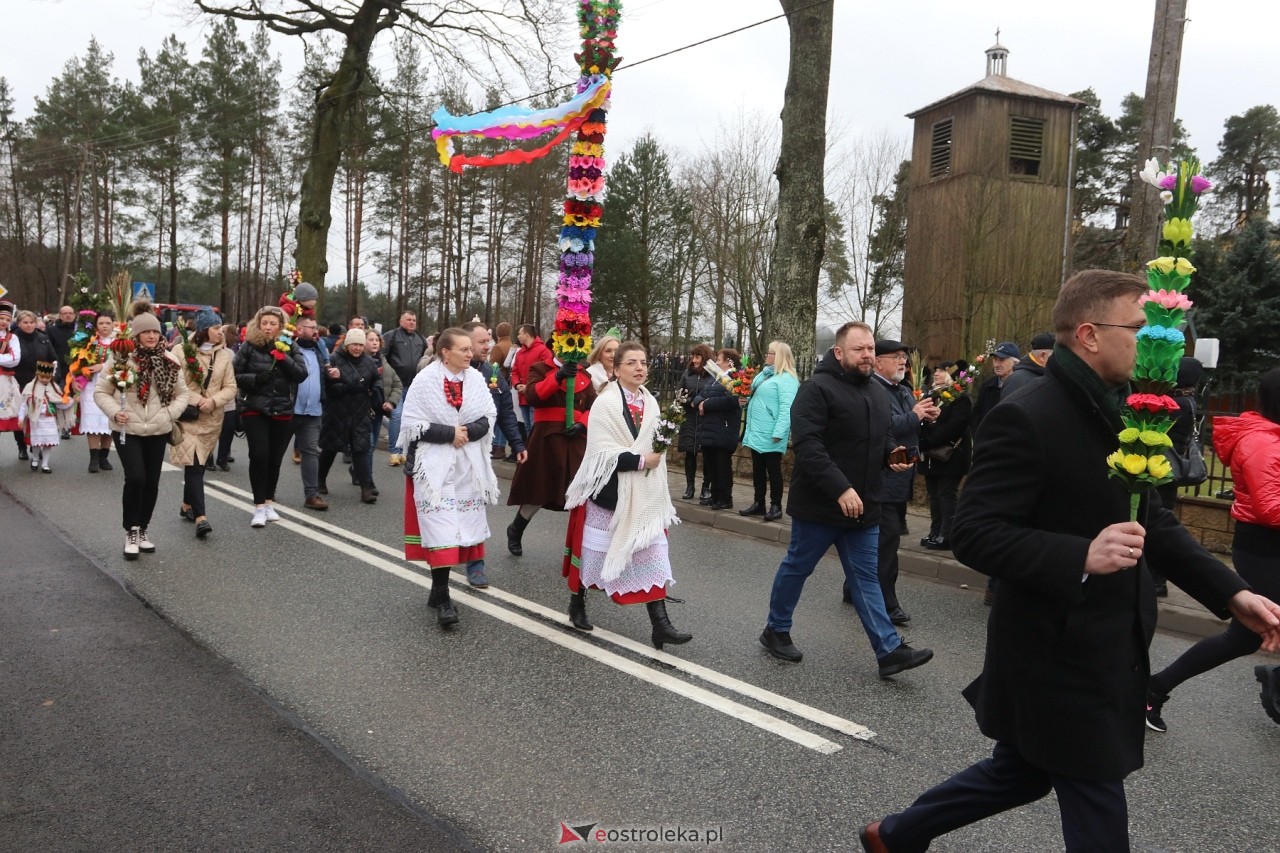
[(268, 371), (949, 433), (719, 428), (691, 384), (353, 391), (34, 345)]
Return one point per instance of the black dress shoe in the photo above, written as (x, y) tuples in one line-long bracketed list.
[(705, 494), (926, 541), (939, 544), (188, 514), (688, 494), (774, 513), (705, 501), (725, 505), (756, 508), (899, 617)]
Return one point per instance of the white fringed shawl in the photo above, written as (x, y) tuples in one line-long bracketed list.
[(424, 405), (644, 509)]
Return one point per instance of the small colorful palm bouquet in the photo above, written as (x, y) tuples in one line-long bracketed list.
[(189, 359), (1149, 412), (669, 423), (961, 381), (740, 381)]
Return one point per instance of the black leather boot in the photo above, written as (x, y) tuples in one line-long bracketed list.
[(756, 508), (103, 464), (446, 613), (704, 497), (515, 530), (94, 460), (578, 610), (663, 632), (774, 513), (688, 488)]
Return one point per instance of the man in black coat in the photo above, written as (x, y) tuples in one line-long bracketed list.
[(1003, 359), (1031, 366), (60, 333), (481, 346), (1063, 688), (840, 436), (906, 417)]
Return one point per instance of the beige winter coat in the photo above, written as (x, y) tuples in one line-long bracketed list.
[(200, 437), (151, 419)]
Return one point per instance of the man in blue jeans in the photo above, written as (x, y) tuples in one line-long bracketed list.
[(842, 444)]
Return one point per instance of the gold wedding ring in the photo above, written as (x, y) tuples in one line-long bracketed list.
[(1130, 552)]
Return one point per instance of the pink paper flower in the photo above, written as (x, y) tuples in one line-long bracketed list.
[(1170, 299), (1168, 182), (1200, 184)]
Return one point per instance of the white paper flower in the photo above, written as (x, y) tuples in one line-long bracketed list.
[(1152, 173)]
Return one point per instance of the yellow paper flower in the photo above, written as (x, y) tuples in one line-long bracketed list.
[(1135, 464), (1116, 460), (1159, 467), (1183, 267), (1152, 438), (1129, 436), (1162, 265), (1177, 230)]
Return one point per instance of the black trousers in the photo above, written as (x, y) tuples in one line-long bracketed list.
[(719, 467), (1260, 572), (227, 435), (193, 488), (887, 557), (268, 440), (141, 457), (766, 468), (1095, 815), (942, 504)]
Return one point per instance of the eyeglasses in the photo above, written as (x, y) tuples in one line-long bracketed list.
[(895, 356), (1135, 328)]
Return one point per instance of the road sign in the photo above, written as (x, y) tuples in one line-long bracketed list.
[(144, 290), (4, 291)]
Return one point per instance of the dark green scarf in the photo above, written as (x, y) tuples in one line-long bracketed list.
[(1107, 399)]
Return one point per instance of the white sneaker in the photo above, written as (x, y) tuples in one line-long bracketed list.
[(259, 517), (270, 513), (145, 545), (131, 544)]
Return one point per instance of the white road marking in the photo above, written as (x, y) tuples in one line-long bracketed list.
[(634, 668), (743, 688)]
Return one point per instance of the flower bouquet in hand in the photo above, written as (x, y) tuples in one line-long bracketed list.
[(1141, 462), (669, 422), (740, 382), (947, 393)]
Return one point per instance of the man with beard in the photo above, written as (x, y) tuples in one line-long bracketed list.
[(481, 346), (840, 435)]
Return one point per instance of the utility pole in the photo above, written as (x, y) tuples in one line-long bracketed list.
[(1155, 137)]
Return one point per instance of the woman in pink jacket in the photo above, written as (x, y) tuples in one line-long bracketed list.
[(1250, 444)]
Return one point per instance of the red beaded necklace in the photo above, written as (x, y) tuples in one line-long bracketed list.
[(453, 392)]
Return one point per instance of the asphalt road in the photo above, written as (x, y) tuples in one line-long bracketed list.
[(510, 725)]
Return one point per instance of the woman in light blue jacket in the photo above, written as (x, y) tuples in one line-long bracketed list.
[(769, 427)]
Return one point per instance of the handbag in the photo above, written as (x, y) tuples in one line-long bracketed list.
[(191, 413), (945, 452), (175, 434), (1189, 468)]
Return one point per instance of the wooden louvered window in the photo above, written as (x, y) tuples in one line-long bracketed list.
[(1026, 145), (940, 150)]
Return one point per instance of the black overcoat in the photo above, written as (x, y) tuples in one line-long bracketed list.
[(840, 438), (691, 383), (350, 400), (720, 425), (1066, 668)]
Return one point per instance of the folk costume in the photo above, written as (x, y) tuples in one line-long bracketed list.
[(447, 487), (554, 452), (42, 413), (92, 419), (10, 390), (625, 511)]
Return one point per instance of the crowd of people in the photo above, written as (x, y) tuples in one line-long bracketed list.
[(1066, 688)]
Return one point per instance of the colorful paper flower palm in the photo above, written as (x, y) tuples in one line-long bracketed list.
[(1148, 414)]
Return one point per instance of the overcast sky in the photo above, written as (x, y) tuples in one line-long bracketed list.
[(889, 58)]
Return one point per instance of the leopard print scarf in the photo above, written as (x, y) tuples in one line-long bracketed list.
[(155, 370)]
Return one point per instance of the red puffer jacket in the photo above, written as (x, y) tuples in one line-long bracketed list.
[(1250, 444)]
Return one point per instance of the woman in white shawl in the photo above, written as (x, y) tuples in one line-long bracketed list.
[(628, 511), (447, 411)]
